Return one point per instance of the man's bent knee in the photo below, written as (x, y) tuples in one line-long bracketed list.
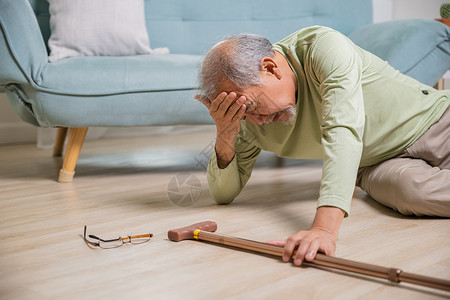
[(420, 195), (408, 186)]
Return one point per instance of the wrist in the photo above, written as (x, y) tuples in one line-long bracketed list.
[(329, 219), (226, 137), (224, 154)]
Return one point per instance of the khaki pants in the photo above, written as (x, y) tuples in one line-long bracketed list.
[(417, 182)]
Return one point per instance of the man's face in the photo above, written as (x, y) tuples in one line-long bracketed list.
[(274, 101), (265, 105)]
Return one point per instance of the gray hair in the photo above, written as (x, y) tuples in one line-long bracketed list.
[(237, 59)]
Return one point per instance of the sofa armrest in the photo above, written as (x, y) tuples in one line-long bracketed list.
[(419, 48), (22, 49)]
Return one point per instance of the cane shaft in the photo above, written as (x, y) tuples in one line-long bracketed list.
[(392, 274), (321, 259), (425, 281), (240, 243)]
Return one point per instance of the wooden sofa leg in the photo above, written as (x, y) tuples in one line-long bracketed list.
[(61, 134), (76, 139)]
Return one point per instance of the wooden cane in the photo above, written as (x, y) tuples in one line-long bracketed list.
[(204, 231)]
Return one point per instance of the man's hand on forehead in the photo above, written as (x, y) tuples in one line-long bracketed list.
[(225, 105), (250, 104)]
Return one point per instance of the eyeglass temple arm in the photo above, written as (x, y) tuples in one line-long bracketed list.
[(119, 238), (138, 236)]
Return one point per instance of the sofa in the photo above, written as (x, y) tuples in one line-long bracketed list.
[(145, 90)]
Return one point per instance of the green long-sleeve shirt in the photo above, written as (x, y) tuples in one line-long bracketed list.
[(353, 110)]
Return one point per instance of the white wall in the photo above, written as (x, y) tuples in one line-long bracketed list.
[(13, 130), (385, 10), (382, 10), (405, 9)]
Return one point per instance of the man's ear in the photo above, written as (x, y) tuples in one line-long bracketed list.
[(269, 66)]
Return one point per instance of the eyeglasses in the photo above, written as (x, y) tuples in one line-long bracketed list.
[(114, 243)]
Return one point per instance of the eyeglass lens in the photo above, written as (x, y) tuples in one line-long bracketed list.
[(110, 244)]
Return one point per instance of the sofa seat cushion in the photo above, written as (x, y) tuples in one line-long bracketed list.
[(100, 76)]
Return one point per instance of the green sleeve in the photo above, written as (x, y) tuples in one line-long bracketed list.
[(226, 184), (338, 70)]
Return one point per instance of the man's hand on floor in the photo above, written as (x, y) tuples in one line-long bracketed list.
[(320, 238), (305, 244)]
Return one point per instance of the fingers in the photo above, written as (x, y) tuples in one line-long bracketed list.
[(311, 251), (224, 102), (304, 245), (237, 109), (227, 107), (307, 250), (291, 244), (218, 101)]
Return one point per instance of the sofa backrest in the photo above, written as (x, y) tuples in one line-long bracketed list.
[(193, 26)]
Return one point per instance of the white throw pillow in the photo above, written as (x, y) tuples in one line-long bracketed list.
[(98, 28)]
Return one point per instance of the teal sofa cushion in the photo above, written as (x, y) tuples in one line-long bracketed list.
[(172, 107), (109, 75), (419, 48)]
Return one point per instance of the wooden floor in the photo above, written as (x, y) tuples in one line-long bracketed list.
[(128, 185)]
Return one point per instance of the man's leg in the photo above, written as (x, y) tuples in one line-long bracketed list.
[(408, 185), (418, 181), (434, 145)]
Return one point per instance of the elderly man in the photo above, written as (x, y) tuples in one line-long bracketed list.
[(316, 95)]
